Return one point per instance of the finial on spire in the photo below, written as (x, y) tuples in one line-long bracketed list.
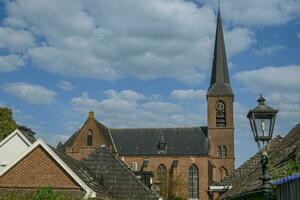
[(219, 6)]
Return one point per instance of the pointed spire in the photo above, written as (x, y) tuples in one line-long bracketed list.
[(220, 83)]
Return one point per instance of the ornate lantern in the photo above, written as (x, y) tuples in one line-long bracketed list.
[(262, 120)]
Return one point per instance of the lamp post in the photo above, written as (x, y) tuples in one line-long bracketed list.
[(262, 120)]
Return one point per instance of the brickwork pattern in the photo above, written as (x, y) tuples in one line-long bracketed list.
[(79, 149), (184, 163), (35, 170)]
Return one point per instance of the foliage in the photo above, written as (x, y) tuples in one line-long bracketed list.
[(44, 193), (28, 130), (177, 198), (292, 167), (7, 123)]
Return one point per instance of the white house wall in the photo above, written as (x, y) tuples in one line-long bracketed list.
[(11, 150)]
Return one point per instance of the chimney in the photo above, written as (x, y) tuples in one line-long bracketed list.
[(91, 114)]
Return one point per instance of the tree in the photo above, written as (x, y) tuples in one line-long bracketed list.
[(7, 123)]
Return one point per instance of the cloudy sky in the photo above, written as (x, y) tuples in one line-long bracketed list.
[(140, 63)]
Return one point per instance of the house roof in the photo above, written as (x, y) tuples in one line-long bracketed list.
[(220, 83), (76, 170), (101, 128), (245, 179), (28, 135), (25, 136), (144, 141), (83, 173), (119, 180)]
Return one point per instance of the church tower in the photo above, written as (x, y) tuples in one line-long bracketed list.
[(220, 99)]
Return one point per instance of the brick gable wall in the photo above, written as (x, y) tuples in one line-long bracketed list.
[(35, 170)]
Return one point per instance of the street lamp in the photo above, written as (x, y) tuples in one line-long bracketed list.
[(262, 120)]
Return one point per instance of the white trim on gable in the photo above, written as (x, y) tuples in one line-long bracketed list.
[(40, 142), (18, 132)]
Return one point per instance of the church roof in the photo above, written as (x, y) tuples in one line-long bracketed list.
[(245, 179), (119, 180), (220, 83), (102, 129), (144, 141)]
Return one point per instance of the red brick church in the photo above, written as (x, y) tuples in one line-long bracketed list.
[(185, 161)]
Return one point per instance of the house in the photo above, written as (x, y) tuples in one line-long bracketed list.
[(245, 180), (184, 160), (13, 146), (102, 175)]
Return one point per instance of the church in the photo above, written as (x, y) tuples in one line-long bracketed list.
[(184, 161)]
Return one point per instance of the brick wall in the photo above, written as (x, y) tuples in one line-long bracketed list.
[(182, 170), (79, 149), (35, 170)]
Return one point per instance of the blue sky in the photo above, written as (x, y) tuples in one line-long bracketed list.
[(145, 63)]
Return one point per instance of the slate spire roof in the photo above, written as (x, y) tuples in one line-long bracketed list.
[(220, 83)]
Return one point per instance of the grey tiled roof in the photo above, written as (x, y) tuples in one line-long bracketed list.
[(29, 136), (119, 180), (84, 174), (220, 83), (144, 141), (245, 179)]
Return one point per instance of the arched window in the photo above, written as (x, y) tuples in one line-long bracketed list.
[(162, 178), (224, 151), (219, 152), (193, 183), (223, 173), (89, 138), (220, 114)]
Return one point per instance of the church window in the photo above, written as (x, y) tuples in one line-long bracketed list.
[(223, 172), (162, 178), (220, 114), (224, 152), (219, 152), (89, 139), (193, 183)]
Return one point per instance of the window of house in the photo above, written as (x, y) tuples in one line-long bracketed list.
[(220, 114), (89, 139), (193, 183)]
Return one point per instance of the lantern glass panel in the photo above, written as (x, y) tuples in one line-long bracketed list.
[(263, 127)]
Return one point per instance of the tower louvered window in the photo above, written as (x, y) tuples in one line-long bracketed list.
[(220, 114), (193, 183), (224, 152), (219, 152)]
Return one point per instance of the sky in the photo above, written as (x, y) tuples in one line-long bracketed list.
[(140, 63)]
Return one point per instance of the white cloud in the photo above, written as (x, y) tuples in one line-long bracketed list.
[(128, 112), (109, 40), (280, 86), (65, 85), (279, 78), (162, 107), (189, 95), (268, 50), (124, 94), (33, 94), (15, 40), (10, 63), (258, 12)]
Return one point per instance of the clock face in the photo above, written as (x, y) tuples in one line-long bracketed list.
[(220, 106)]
